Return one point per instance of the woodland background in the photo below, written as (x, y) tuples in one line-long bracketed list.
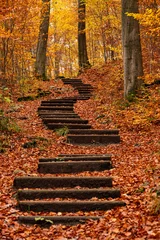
[(136, 159)]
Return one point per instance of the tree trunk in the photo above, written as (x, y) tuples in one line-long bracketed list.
[(82, 45), (132, 54), (40, 65)]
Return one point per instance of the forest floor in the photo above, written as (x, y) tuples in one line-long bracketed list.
[(136, 159)]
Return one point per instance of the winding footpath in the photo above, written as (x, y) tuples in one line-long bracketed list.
[(74, 194)]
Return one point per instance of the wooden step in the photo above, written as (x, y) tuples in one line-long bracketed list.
[(60, 116), (92, 139), (84, 90), (46, 221), (53, 108), (60, 182), (56, 104), (64, 120), (60, 100), (68, 206), (85, 86), (94, 132), (70, 81), (78, 97), (100, 193), (47, 112), (54, 126), (77, 158), (73, 166)]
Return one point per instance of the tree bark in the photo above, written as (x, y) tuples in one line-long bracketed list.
[(82, 45), (40, 65), (132, 53)]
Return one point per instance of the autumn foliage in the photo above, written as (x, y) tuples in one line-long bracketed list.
[(136, 159)]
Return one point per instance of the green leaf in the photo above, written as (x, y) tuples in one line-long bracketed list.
[(49, 221), (43, 219), (39, 219), (7, 99)]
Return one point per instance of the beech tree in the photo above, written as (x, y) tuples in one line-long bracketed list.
[(132, 54), (103, 30), (82, 45), (40, 65)]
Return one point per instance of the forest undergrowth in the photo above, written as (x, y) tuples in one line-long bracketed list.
[(136, 160)]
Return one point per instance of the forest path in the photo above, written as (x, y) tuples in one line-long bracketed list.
[(66, 195)]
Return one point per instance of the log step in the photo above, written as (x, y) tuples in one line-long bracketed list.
[(78, 81), (69, 193), (92, 139), (94, 132), (60, 116), (56, 104), (46, 221), (60, 100), (60, 182), (70, 81), (73, 166), (64, 120), (54, 126), (53, 108), (85, 86), (68, 206), (76, 158), (84, 90), (47, 112)]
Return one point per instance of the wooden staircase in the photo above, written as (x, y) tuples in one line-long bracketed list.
[(67, 196)]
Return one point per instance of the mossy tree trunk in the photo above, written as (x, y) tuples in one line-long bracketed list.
[(132, 54), (82, 44), (40, 65)]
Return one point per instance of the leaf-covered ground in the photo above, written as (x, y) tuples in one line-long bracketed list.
[(136, 159)]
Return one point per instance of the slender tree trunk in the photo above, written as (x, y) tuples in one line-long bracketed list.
[(40, 65), (82, 45), (132, 54)]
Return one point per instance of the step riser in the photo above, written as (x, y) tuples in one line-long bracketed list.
[(93, 139), (61, 100), (77, 194), (94, 132), (60, 116), (77, 159), (68, 206), (56, 104), (72, 82), (62, 113), (84, 91), (56, 108), (81, 88), (58, 182), (53, 126), (62, 120), (72, 79), (73, 167)]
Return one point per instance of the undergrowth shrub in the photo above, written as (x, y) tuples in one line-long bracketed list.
[(62, 131), (155, 207), (7, 124)]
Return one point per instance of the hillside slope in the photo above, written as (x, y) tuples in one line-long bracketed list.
[(136, 159)]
